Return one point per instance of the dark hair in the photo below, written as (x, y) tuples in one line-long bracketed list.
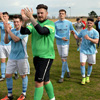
[(90, 19), (62, 10), (77, 19), (5, 13), (42, 6), (18, 16), (81, 17)]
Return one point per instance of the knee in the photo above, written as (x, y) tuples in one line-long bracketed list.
[(82, 64), (39, 84), (3, 60), (46, 82), (23, 76), (90, 64), (63, 59), (8, 75)]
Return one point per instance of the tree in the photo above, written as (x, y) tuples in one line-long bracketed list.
[(92, 14)]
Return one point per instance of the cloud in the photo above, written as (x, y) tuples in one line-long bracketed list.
[(17, 3), (78, 7)]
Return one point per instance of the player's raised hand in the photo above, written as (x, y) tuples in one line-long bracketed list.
[(28, 12), (7, 27), (24, 17)]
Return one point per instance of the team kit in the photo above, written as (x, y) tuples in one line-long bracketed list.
[(13, 46)]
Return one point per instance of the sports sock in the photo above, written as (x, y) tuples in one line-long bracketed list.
[(89, 70), (3, 68), (9, 83), (66, 66), (63, 69), (24, 84), (83, 71), (49, 90), (38, 93)]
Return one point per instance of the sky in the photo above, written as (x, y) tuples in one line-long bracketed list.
[(73, 7)]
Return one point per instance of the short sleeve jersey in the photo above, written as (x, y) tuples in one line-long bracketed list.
[(3, 32), (18, 49), (87, 47), (43, 45)]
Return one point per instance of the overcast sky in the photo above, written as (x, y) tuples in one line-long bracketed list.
[(78, 7)]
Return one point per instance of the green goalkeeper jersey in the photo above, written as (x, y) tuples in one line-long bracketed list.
[(43, 45)]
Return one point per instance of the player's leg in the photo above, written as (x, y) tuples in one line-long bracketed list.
[(65, 50), (9, 83), (49, 89), (11, 65), (23, 66), (40, 65), (38, 90), (8, 49), (89, 72), (77, 45), (4, 53), (63, 72), (91, 60), (83, 59), (3, 56), (24, 87), (83, 72), (47, 83), (59, 47), (16, 75), (3, 68)]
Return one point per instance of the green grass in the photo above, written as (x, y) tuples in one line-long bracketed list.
[(70, 89)]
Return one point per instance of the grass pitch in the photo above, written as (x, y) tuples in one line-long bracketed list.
[(70, 89)]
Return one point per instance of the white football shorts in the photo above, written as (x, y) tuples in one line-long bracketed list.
[(91, 59), (4, 51), (22, 66), (63, 51)]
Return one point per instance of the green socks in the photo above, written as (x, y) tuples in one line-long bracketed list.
[(38, 93), (49, 90)]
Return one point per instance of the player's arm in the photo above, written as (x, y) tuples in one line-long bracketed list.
[(40, 30), (83, 25), (73, 31), (75, 36), (92, 40), (6, 40), (24, 31), (14, 37), (61, 38)]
